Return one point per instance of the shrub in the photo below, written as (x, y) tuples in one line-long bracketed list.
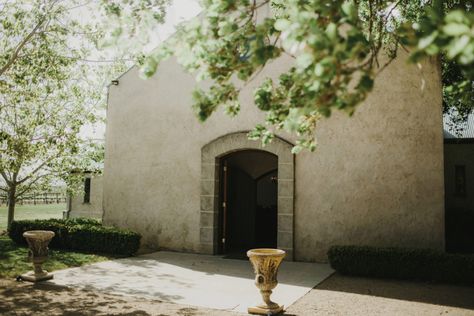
[(80, 234), (402, 263)]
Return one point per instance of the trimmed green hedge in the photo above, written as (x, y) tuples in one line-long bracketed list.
[(402, 263), (80, 234)]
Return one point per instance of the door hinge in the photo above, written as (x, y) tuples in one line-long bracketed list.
[(223, 240), (223, 204), (225, 168)]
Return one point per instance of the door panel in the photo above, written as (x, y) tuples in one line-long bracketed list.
[(241, 210), (266, 217)]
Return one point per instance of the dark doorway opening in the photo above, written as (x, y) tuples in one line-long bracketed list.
[(248, 216), (459, 194)]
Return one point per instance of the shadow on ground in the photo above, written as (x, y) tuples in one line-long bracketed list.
[(22, 298), (423, 292), (26, 298), (341, 295)]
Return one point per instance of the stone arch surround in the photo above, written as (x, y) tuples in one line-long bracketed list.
[(209, 210)]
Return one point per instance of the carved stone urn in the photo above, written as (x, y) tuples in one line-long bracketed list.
[(265, 262), (38, 241)]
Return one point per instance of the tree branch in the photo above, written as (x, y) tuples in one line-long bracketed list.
[(15, 54), (28, 187), (34, 171), (5, 177)]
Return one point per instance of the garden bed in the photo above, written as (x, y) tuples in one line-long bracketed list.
[(14, 259), (81, 234)]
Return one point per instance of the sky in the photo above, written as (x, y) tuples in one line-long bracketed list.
[(179, 11)]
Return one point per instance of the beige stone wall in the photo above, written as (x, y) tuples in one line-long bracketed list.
[(93, 209), (375, 179)]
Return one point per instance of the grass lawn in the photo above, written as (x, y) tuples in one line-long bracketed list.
[(38, 211), (13, 259)]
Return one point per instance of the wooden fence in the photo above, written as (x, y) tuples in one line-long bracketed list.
[(38, 198)]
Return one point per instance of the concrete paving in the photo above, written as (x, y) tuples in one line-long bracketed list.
[(190, 279)]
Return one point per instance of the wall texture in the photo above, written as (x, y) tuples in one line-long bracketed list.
[(93, 209), (375, 179)]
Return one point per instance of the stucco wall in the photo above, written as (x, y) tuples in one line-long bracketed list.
[(93, 209), (375, 179)]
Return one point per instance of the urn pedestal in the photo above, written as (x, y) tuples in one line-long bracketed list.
[(38, 241), (266, 262)]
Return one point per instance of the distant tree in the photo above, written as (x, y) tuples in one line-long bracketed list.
[(336, 47), (48, 91), (39, 142), (458, 86)]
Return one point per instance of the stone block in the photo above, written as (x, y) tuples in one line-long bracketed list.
[(285, 205), (208, 171), (286, 171), (285, 188), (285, 222), (285, 240), (208, 203), (208, 187), (208, 219), (206, 235), (207, 249)]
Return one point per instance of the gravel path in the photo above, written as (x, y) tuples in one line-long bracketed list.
[(338, 295)]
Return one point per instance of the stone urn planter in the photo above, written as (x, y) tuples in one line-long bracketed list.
[(38, 241), (265, 262)]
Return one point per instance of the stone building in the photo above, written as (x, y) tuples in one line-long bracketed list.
[(89, 203), (375, 179)]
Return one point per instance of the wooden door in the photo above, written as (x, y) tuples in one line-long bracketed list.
[(224, 177)]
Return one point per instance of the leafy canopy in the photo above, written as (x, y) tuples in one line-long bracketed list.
[(49, 90), (338, 47)]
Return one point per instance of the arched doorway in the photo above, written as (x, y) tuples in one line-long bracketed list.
[(211, 186), (248, 216)]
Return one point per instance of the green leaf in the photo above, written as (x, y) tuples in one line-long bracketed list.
[(292, 121), (432, 49), (232, 108), (331, 31), (226, 27), (349, 9), (304, 60), (455, 29), (319, 70), (467, 56), (426, 41), (296, 149), (456, 16), (149, 67), (457, 45), (282, 25), (366, 83)]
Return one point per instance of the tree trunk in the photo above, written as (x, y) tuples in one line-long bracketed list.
[(11, 204)]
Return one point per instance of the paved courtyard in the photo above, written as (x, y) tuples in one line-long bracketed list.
[(169, 284), (195, 280), (337, 295)]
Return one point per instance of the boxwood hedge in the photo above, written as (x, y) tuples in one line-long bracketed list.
[(403, 263), (81, 234)]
